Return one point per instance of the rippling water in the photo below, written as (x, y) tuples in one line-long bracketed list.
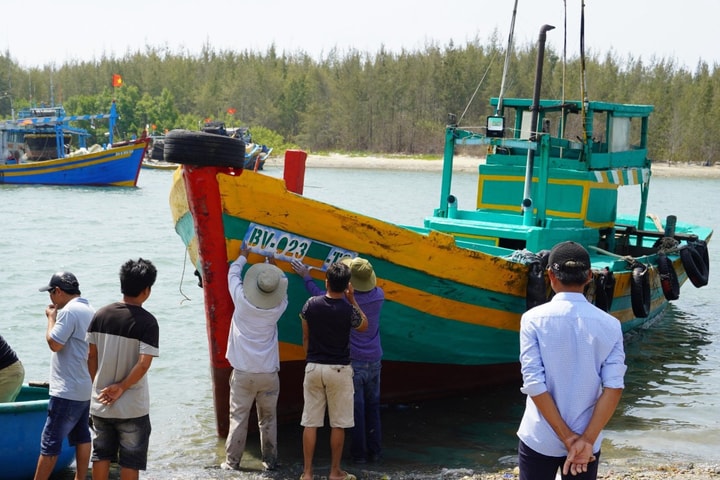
[(670, 409)]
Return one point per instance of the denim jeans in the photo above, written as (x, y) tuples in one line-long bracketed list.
[(366, 434)]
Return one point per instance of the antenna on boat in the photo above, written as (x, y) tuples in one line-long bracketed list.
[(508, 52), (561, 132), (526, 205), (583, 84)]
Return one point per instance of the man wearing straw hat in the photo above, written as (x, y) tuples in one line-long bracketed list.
[(260, 298)]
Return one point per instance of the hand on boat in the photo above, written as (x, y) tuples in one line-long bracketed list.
[(300, 268)]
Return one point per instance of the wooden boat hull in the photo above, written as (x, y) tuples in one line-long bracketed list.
[(158, 165), (22, 424), (452, 314), (119, 165)]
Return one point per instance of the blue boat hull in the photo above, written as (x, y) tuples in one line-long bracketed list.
[(21, 423), (117, 166)]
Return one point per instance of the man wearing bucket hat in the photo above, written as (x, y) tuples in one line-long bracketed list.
[(365, 354), (573, 363), (68, 318), (260, 299)]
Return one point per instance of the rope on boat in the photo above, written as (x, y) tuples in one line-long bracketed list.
[(182, 277), (506, 66), (477, 88)]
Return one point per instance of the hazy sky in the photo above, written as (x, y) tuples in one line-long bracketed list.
[(42, 32)]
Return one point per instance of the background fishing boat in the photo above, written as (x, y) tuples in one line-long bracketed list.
[(457, 286), (116, 164), (22, 424)]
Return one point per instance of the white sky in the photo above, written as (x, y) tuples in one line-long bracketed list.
[(44, 32)]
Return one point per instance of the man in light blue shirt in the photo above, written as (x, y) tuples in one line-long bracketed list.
[(573, 364), (68, 317)]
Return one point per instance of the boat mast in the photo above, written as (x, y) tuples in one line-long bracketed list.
[(583, 84), (527, 203)]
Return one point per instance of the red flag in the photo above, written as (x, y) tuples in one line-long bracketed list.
[(231, 111), (117, 80)]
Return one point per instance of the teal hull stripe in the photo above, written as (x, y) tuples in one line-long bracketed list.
[(414, 336)]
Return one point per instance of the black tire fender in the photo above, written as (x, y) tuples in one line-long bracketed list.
[(668, 277), (203, 149), (536, 293), (695, 261), (640, 291), (604, 289)]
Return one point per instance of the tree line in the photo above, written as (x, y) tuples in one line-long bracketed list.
[(382, 102)]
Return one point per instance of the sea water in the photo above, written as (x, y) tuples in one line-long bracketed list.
[(669, 411)]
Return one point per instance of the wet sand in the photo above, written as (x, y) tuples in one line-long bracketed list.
[(467, 164)]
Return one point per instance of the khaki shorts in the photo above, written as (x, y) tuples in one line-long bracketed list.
[(331, 386)]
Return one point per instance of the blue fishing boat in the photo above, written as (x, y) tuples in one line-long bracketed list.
[(457, 285), (22, 423), (36, 151)]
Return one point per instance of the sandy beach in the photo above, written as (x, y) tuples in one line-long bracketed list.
[(467, 164)]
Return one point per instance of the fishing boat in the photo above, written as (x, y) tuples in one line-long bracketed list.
[(50, 160), (254, 154), (158, 164), (22, 424), (456, 286)]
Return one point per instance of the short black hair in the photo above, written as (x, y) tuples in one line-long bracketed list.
[(572, 277), (338, 277), (136, 276)]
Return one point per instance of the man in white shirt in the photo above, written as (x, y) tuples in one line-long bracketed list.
[(260, 299), (573, 364)]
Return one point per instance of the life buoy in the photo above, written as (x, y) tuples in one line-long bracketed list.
[(668, 277), (640, 291), (695, 261), (604, 289)]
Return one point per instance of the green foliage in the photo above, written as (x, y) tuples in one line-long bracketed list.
[(382, 102), (265, 136)]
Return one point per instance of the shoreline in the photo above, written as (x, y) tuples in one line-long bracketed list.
[(467, 164)]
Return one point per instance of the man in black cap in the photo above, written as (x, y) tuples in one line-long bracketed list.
[(573, 364), (68, 317)]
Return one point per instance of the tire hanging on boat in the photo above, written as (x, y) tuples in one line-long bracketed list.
[(537, 285), (203, 149), (536, 293), (668, 277), (696, 262), (640, 290), (604, 289)]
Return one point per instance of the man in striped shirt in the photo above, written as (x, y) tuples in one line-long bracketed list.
[(123, 340)]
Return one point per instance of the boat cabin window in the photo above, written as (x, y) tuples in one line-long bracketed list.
[(526, 129), (619, 134)]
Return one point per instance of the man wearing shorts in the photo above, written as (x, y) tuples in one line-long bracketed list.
[(123, 339), (326, 323), (68, 316)]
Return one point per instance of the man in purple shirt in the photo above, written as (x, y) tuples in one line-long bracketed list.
[(365, 354), (573, 364)]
